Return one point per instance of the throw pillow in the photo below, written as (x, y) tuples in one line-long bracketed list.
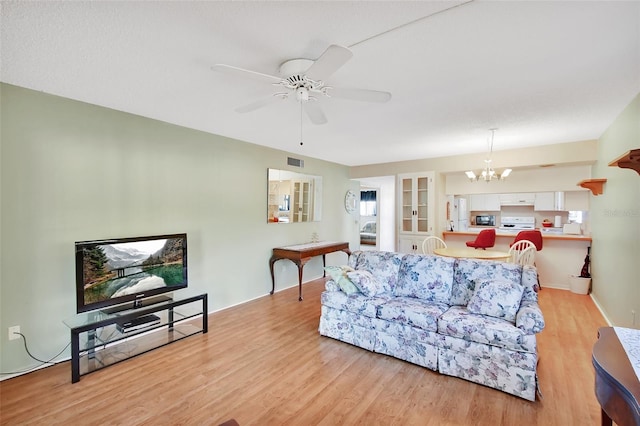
[(498, 299), (339, 275), (366, 282)]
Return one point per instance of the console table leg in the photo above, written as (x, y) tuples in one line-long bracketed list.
[(273, 280), (300, 267)]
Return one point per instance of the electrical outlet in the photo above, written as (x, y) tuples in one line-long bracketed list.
[(12, 332)]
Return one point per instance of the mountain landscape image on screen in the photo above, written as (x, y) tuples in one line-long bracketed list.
[(115, 270)]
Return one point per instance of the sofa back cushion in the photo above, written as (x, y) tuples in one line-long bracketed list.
[(471, 272), (498, 299), (383, 266), (426, 277)]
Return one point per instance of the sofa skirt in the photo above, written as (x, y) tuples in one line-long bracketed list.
[(510, 371), (517, 379)]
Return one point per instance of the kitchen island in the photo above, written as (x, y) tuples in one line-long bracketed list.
[(562, 255)]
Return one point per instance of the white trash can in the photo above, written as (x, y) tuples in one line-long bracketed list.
[(579, 285)]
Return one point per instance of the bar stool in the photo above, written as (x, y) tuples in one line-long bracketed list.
[(485, 239)]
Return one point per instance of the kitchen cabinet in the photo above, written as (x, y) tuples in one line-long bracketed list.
[(416, 210), (484, 202), (301, 200), (549, 201), (518, 199), (576, 201)]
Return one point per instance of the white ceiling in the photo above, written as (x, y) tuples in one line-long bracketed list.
[(541, 72)]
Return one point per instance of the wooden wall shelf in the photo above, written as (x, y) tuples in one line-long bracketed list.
[(629, 160), (594, 185)]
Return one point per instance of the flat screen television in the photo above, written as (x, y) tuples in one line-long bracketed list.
[(129, 272)]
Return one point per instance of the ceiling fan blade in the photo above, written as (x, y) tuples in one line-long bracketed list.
[(260, 103), (359, 94), (228, 69), (314, 112), (333, 58)]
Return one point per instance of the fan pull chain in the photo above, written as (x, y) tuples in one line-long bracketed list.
[(300, 123)]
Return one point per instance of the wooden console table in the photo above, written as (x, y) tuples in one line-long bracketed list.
[(617, 386), (300, 254)]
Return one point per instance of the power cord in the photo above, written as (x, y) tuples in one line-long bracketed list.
[(50, 361)]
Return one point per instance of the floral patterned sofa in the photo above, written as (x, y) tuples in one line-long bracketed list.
[(472, 319)]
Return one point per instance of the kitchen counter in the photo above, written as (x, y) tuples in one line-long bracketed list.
[(512, 235), (562, 255)]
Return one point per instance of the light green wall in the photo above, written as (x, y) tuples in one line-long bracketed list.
[(72, 171), (615, 223)]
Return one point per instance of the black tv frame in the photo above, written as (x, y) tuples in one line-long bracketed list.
[(129, 301)]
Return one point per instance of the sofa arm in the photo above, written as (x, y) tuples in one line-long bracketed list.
[(529, 318), (331, 285)]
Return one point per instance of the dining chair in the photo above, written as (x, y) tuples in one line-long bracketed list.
[(485, 239), (431, 243), (534, 236), (523, 253)]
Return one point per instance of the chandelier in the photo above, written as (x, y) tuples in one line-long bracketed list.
[(488, 174)]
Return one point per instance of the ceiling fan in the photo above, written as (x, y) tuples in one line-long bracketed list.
[(305, 79)]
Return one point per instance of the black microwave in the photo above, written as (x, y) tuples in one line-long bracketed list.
[(486, 220)]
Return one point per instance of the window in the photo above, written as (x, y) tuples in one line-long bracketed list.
[(575, 216), (286, 204), (368, 203)]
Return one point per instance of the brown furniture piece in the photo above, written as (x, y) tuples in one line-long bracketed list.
[(617, 386), (300, 254)]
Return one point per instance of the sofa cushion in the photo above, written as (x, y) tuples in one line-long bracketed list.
[(357, 303), (470, 272), (499, 299), (426, 277), (366, 283), (383, 265), (411, 311), (459, 322), (339, 275)]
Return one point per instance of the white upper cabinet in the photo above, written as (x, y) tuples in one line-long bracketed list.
[(549, 201), (577, 201), (484, 202), (518, 199)]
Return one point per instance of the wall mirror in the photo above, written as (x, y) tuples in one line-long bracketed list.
[(293, 197)]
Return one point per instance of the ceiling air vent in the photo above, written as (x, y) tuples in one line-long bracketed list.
[(295, 162)]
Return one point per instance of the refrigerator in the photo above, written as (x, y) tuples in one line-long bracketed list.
[(460, 215)]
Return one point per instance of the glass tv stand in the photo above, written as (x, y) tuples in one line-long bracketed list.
[(100, 339)]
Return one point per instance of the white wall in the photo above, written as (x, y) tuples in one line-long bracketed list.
[(557, 178), (615, 223), (572, 164), (71, 171)]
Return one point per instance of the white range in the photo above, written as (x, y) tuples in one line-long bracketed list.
[(515, 224)]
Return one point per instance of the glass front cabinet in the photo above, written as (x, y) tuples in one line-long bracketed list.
[(416, 210)]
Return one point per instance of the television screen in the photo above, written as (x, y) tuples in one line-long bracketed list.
[(116, 271)]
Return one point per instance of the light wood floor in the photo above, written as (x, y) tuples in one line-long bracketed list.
[(264, 363)]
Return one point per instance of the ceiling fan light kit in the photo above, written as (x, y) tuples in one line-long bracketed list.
[(306, 78)]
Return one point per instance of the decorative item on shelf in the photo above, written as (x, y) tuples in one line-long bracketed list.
[(594, 185), (488, 174), (314, 237), (628, 160)]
